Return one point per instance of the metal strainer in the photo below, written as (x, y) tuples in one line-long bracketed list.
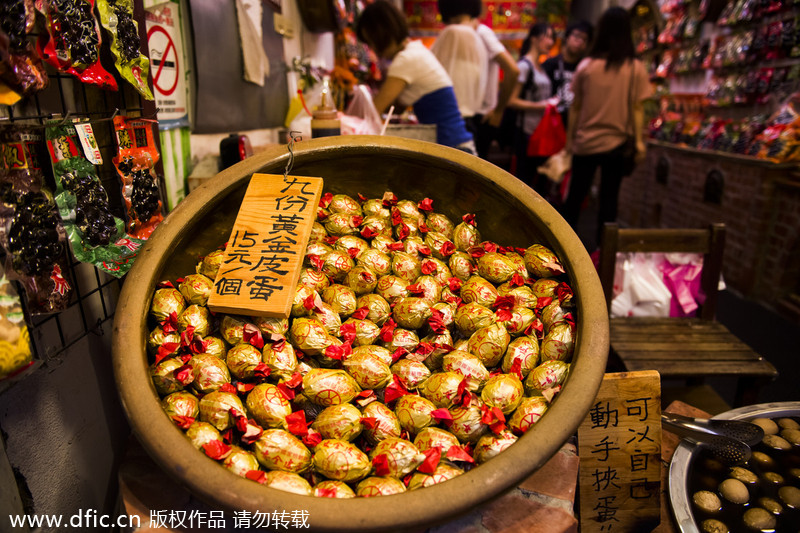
[(728, 440)]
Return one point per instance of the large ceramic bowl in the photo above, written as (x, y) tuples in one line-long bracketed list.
[(507, 212), (680, 467)]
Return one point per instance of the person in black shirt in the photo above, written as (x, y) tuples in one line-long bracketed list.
[(560, 68)]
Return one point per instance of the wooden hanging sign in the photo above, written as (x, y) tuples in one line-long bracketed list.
[(265, 252), (619, 444)]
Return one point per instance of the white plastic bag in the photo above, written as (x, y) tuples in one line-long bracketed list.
[(361, 117), (643, 291)]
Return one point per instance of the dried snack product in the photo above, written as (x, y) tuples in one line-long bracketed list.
[(96, 235), (72, 41), (116, 16), (135, 161), (31, 232)]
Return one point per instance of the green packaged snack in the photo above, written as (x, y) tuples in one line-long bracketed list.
[(116, 16), (96, 235)]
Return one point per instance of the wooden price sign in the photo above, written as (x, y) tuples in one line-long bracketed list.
[(258, 275), (619, 444)]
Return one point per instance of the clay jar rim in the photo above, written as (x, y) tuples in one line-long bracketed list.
[(222, 489)]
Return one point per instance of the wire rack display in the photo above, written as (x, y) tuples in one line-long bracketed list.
[(95, 292)]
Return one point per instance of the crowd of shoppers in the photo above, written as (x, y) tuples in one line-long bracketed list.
[(458, 86)]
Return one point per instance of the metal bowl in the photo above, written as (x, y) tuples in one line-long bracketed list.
[(685, 454), (508, 212)]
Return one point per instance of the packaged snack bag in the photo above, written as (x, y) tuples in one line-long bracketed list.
[(116, 17), (96, 235), (135, 162), (30, 230)]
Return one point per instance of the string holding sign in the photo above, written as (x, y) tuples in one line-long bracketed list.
[(293, 136)]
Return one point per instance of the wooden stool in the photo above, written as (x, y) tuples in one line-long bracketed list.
[(685, 348)]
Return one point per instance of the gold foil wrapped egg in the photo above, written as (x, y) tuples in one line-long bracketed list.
[(215, 409), (210, 264), (411, 313), (414, 413), (268, 405), (277, 449), (489, 445), (379, 486), (489, 344), (400, 457), (333, 489), (240, 461), (288, 482), (196, 288), (340, 460), (378, 309), (341, 421), (471, 317), (529, 411), (385, 425), (524, 351), (368, 370), (479, 290), (326, 387), (442, 388), (242, 360), (496, 267), (504, 391), (209, 372), (541, 262), (467, 365), (165, 302), (410, 373)]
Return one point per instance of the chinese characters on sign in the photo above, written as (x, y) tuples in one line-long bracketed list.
[(265, 251), (620, 450)]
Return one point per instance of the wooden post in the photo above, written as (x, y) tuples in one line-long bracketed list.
[(265, 251), (619, 444)]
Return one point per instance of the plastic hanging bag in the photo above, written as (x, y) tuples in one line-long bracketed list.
[(20, 68), (71, 43), (549, 137), (361, 117), (116, 17), (31, 233), (137, 156), (95, 234)]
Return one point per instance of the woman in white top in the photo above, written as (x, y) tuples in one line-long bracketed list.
[(530, 97), (415, 77)]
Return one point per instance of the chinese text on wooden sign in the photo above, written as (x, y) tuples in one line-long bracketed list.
[(619, 446), (265, 251)]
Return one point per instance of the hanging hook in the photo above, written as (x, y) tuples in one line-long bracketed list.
[(293, 136), (66, 118)]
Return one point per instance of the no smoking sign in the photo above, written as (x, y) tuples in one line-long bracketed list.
[(167, 69), (164, 57)]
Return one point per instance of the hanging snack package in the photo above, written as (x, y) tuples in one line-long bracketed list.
[(21, 70), (135, 162), (116, 16), (15, 343), (72, 41), (31, 233), (96, 235)]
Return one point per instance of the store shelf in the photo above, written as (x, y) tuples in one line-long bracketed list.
[(715, 154)]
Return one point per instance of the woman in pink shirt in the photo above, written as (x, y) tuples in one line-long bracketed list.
[(609, 87)]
